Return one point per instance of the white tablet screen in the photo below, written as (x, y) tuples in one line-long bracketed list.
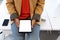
[(25, 26)]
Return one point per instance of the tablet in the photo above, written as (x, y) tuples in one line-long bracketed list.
[(25, 26)]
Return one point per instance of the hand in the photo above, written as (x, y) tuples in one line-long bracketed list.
[(33, 22), (17, 22)]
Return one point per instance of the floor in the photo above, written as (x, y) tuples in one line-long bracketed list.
[(47, 35)]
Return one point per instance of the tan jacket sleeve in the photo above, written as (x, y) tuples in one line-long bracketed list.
[(38, 9), (40, 6), (11, 8)]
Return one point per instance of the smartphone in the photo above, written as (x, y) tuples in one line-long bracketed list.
[(5, 22)]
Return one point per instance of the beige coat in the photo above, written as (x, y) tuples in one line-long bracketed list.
[(15, 6)]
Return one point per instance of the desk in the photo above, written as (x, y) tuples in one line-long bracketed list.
[(4, 15), (54, 18), (5, 29)]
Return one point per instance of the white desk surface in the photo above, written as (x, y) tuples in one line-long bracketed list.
[(53, 11), (55, 18), (52, 22)]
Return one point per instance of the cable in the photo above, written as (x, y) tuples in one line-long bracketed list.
[(49, 19)]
